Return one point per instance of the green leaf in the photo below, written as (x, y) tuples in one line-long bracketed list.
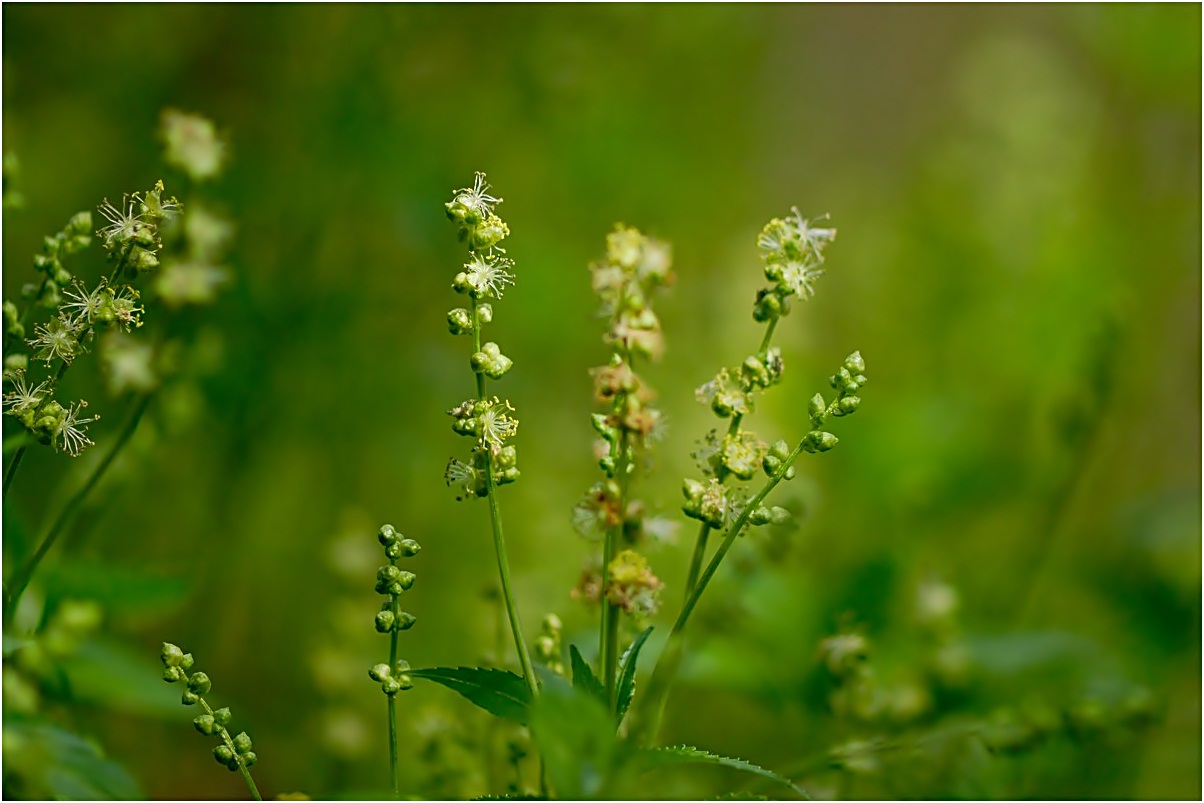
[(501, 693), (576, 738), (584, 677), (59, 765), (625, 691), (685, 754)]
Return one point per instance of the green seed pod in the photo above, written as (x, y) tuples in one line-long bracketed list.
[(380, 672), (459, 321), (405, 621), (410, 547), (384, 622), (223, 754), (387, 535), (172, 674), (206, 724), (189, 698), (171, 655), (242, 742), (199, 683), (222, 716)]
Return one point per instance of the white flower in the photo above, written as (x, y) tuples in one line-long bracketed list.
[(81, 306), (22, 397), (123, 226), (488, 276), (57, 339), (493, 423), (70, 430), (477, 198)]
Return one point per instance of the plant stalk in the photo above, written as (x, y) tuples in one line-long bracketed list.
[(16, 586), (393, 755), (11, 471), (246, 773)]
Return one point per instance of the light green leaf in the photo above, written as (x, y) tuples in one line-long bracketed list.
[(625, 691), (576, 739), (501, 693), (60, 765), (685, 754), (584, 677)]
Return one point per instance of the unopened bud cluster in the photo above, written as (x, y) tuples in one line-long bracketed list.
[(392, 582), (549, 648), (234, 752), (484, 277), (847, 382)]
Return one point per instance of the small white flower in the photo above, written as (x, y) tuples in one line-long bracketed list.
[(70, 430), (493, 423), (123, 226), (489, 276), (81, 306), (477, 198), (22, 397), (57, 339)]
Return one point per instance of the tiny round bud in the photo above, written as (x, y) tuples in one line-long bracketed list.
[(406, 580), (242, 742), (189, 698), (171, 655), (817, 406), (249, 758), (222, 716), (223, 754), (199, 683), (388, 574), (459, 321), (384, 622), (172, 674), (387, 535), (485, 312), (848, 405), (390, 686), (187, 661), (854, 363), (393, 551), (404, 683), (205, 724), (405, 621), (380, 672), (410, 547)]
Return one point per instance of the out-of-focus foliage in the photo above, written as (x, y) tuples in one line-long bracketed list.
[(992, 589)]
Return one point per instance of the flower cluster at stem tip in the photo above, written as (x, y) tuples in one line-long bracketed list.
[(489, 420), (392, 582), (235, 752)]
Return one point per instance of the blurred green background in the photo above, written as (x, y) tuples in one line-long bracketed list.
[(1017, 191)]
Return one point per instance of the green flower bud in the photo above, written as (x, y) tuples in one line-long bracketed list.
[(692, 489), (404, 621), (199, 683), (387, 574), (61, 275), (779, 515), (506, 458), (848, 405), (234, 763), (173, 674), (249, 758), (206, 724), (390, 686), (380, 672), (461, 284), (171, 655), (817, 406), (222, 716), (410, 547), (491, 231), (387, 535), (817, 441), (393, 551), (189, 698), (459, 321), (242, 742), (485, 312), (507, 476), (186, 661), (854, 364), (759, 516), (384, 622), (80, 224), (223, 754), (404, 683)]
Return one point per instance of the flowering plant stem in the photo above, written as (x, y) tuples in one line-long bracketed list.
[(392, 698), (609, 644), (16, 586), (246, 773), (499, 539), (667, 665)]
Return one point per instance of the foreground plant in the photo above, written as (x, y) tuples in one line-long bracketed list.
[(235, 753)]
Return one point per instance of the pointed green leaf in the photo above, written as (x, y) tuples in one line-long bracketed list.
[(584, 677), (685, 754), (625, 691), (56, 764), (501, 693)]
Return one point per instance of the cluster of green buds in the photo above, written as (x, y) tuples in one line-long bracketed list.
[(847, 382), (234, 752), (633, 587), (792, 250), (484, 278), (392, 582)]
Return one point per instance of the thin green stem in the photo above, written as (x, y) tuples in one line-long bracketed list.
[(499, 539), (246, 773), (16, 586), (609, 652), (764, 349), (11, 471), (700, 549), (393, 754), (667, 665)]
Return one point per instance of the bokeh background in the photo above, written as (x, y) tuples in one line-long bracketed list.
[(1017, 193)]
